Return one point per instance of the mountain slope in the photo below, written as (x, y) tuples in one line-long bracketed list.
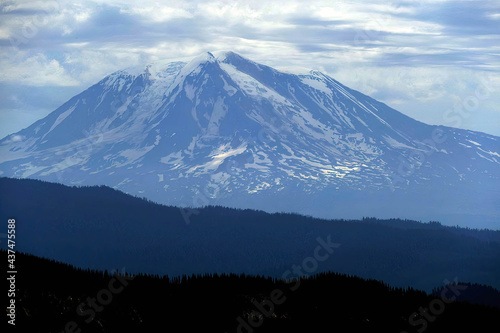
[(222, 129)]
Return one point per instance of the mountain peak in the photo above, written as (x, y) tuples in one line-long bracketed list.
[(223, 55), (203, 58), (206, 56), (220, 123), (197, 62)]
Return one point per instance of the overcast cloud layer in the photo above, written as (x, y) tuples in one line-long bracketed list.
[(436, 61)]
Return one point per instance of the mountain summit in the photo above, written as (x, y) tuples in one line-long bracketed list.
[(222, 129)]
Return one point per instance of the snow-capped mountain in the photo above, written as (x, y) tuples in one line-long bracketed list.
[(221, 129)]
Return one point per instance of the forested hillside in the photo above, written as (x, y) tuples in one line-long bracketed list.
[(100, 228), (51, 295)]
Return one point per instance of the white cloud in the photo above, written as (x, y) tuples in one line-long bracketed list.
[(159, 14), (36, 70), (407, 53)]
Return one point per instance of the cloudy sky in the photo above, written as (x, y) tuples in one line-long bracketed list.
[(437, 61)]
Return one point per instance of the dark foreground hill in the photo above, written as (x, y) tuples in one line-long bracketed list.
[(101, 228), (55, 297)]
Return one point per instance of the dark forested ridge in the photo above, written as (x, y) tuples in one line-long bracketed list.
[(101, 228), (52, 296)]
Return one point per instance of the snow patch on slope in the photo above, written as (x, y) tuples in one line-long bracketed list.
[(61, 118)]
